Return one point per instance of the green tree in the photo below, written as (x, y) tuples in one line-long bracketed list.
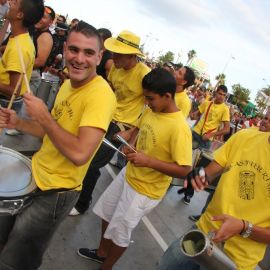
[(221, 78), (167, 57), (241, 94), (191, 54)]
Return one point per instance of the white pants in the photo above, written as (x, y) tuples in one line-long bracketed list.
[(122, 207)]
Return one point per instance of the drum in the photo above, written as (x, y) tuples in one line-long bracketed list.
[(43, 90), (52, 95), (47, 91), (16, 182), (16, 105)]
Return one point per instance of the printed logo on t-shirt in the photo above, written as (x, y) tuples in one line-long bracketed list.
[(61, 108), (246, 185), (147, 138)]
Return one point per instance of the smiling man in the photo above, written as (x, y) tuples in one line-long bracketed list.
[(71, 135)]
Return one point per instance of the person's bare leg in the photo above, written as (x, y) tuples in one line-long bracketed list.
[(105, 244), (112, 257)]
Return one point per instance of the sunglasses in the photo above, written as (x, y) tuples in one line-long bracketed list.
[(48, 10)]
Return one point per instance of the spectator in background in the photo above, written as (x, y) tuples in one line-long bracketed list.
[(74, 22), (43, 42), (106, 63), (184, 78), (61, 19)]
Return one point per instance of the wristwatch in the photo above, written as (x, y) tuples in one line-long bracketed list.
[(248, 231)]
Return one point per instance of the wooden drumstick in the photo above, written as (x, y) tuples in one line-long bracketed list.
[(15, 92), (23, 66)]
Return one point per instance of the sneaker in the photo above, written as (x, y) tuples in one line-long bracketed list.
[(194, 218), (74, 212), (12, 132), (186, 200), (90, 254)]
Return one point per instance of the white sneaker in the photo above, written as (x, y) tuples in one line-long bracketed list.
[(74, 212), (12, 132)]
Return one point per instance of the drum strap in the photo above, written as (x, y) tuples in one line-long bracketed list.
[(205, 119)]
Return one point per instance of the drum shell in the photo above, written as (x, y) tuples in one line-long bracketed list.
[(16, 181), (47, 91), (210, 256)]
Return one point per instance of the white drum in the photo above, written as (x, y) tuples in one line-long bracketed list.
[(16, 182)]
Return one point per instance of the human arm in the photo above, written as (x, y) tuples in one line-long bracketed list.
[(195, 115), (7, 89), (223, 131), (44, 47), (9, 119), (232, 226), (140, 159), (77, 148)]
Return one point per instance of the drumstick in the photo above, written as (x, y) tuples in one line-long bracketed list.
[(15, 92), (22, 66), (122, 140), (108, 143)]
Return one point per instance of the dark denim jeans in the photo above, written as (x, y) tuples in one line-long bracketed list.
[(26, 236)]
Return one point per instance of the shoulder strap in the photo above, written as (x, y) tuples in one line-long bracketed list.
[(206, 115)]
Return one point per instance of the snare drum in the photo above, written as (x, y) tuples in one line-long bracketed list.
[(16, 182)]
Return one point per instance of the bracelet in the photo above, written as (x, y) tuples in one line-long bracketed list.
[(248, 230), (244, 227)]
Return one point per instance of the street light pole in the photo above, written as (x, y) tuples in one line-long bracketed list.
[(224, 68)]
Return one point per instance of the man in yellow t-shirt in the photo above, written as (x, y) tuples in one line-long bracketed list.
[(213, 114), (10, 65), (125, 78), (142, 184), (238, 212), (71, 135), (184, 78)]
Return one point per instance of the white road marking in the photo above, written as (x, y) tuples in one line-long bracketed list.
[(145, 220)]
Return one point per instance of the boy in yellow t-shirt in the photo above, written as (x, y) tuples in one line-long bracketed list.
[(141, 185), (213, 114)]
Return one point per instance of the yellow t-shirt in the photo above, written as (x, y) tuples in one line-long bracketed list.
[(218, 113), (183, 102), (90, 105), (242, 192), (164, 136), (10, 60), (127, 85)]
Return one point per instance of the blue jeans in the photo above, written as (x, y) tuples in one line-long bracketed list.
[(26, 236), (174, 259)]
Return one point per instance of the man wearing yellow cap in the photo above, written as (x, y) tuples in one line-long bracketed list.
[(125, 78)]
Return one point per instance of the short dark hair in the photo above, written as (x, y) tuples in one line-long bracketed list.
[(189, 77), (33, 11), (87, 30), (63, 17), (223, 88), (51, 12), (104, 33), (159, 81)]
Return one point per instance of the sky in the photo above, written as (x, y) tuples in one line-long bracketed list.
[(231, 36)]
